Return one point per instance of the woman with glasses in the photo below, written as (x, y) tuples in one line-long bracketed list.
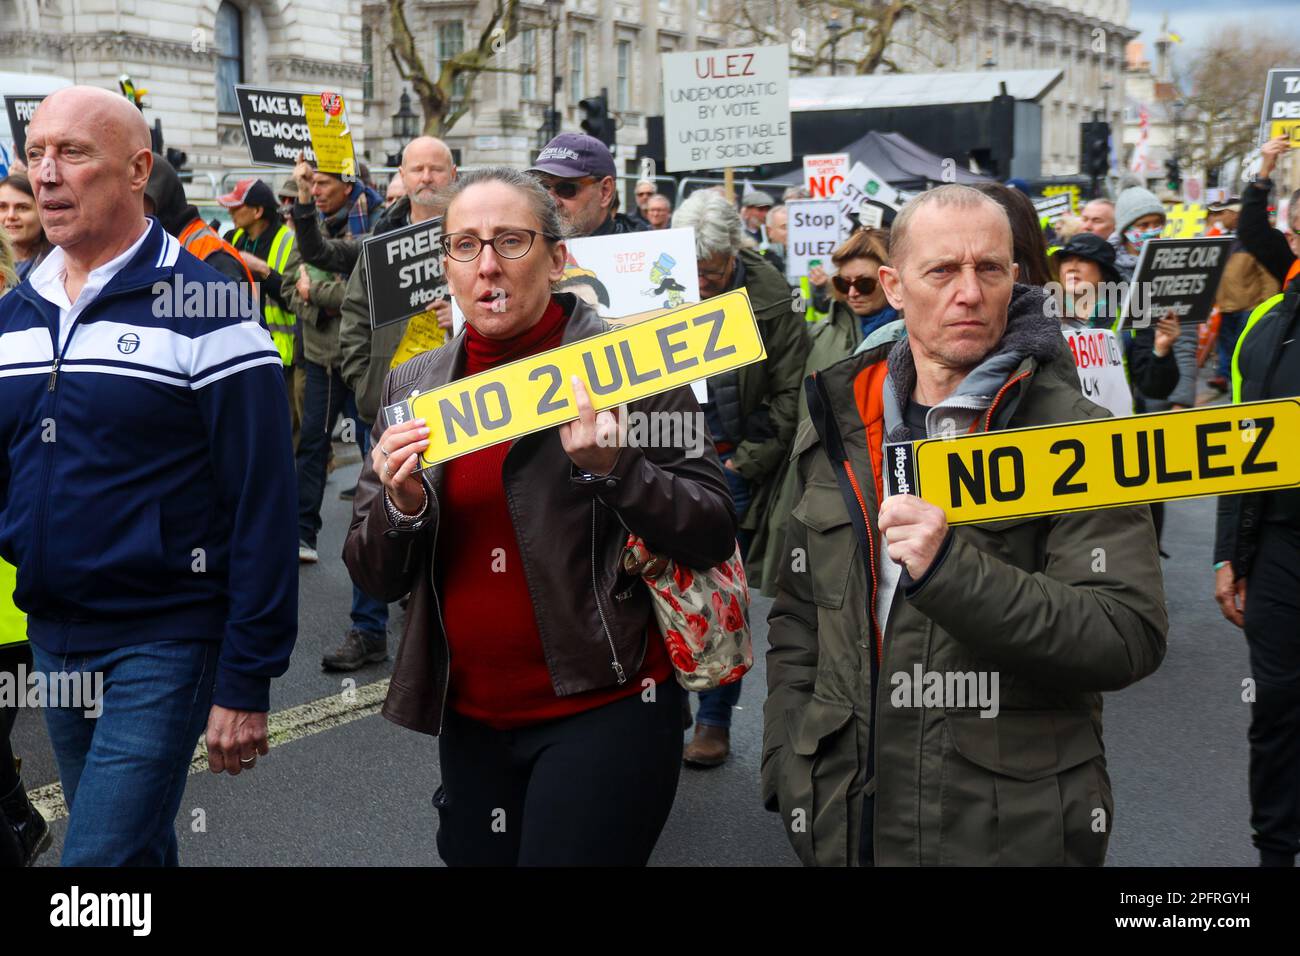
[(527, 649)]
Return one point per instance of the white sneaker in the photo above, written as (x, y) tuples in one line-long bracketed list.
[(307, 554)]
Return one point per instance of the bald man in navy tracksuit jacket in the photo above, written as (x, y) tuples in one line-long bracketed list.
[(148, 499)]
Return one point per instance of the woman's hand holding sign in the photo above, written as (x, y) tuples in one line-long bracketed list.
[(1167, 331), (914, 530), (396, 460), (591, 442)]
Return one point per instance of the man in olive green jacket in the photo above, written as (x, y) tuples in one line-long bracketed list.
[(768, 390), (750, 412), (1043, 614)]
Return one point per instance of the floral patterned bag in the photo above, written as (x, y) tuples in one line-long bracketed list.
[(703, 615)]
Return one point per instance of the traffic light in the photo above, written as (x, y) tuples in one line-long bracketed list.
[(1173, 175), (596, 120), (1094, 153), (178, 159)]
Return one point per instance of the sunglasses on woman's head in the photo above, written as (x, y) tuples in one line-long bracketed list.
[(864, 284)]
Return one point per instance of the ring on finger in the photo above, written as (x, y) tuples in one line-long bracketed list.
[(387, 472), (383, 451)]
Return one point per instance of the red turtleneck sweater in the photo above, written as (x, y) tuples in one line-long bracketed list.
[(498, 671)]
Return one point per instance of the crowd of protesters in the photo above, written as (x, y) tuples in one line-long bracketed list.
[(943, 318)]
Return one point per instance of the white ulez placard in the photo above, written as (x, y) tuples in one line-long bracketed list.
[(815, 228), (726, 107)]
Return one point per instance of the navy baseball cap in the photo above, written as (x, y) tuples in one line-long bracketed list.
[(573, 156)]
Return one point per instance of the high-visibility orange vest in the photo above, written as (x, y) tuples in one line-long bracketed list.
[(200, 241)]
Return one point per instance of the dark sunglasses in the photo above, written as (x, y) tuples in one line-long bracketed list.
[(566, 188), (864, 284)]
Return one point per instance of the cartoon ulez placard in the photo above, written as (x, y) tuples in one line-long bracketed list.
[(634, 272)]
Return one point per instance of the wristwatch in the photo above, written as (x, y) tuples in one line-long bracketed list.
[(399, 519)]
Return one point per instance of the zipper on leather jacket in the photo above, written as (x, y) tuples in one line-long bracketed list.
[(600, 608), (437, 608), (437, 602)]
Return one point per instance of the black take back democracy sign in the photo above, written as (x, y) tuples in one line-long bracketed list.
[(275, 125), (1176, 275), (20, 110), (404, 269), (1282, 106)]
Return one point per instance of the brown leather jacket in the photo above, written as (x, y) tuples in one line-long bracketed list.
[(592, 616)]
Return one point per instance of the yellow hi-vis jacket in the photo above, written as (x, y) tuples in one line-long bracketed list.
[(280, 322), (13, 622)]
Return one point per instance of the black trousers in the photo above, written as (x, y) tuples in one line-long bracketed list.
[(12, 656), (1273, 634), (594, 789), (321, 408)]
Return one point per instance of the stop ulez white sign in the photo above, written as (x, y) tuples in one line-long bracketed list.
[(726, 107)]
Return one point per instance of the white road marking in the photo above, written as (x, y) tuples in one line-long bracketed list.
[(283, 726)]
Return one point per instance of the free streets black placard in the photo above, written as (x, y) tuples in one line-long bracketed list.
[(404, 269)]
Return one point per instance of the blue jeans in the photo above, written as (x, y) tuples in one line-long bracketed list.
[(368, 614), (740, 495), (1230, 326), (124, 771), (715, 705)]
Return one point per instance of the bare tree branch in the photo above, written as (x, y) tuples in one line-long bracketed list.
[(1222, 113), (436, 96)]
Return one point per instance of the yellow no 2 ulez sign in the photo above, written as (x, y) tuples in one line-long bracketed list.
[(627, 363), (1103, 463)]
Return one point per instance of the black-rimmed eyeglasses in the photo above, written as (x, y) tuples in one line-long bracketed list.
[(511, 244)]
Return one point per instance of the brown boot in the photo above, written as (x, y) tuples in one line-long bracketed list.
[(709, 748)]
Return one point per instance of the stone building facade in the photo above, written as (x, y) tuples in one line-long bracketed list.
[(615, 44), (187, 56)]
